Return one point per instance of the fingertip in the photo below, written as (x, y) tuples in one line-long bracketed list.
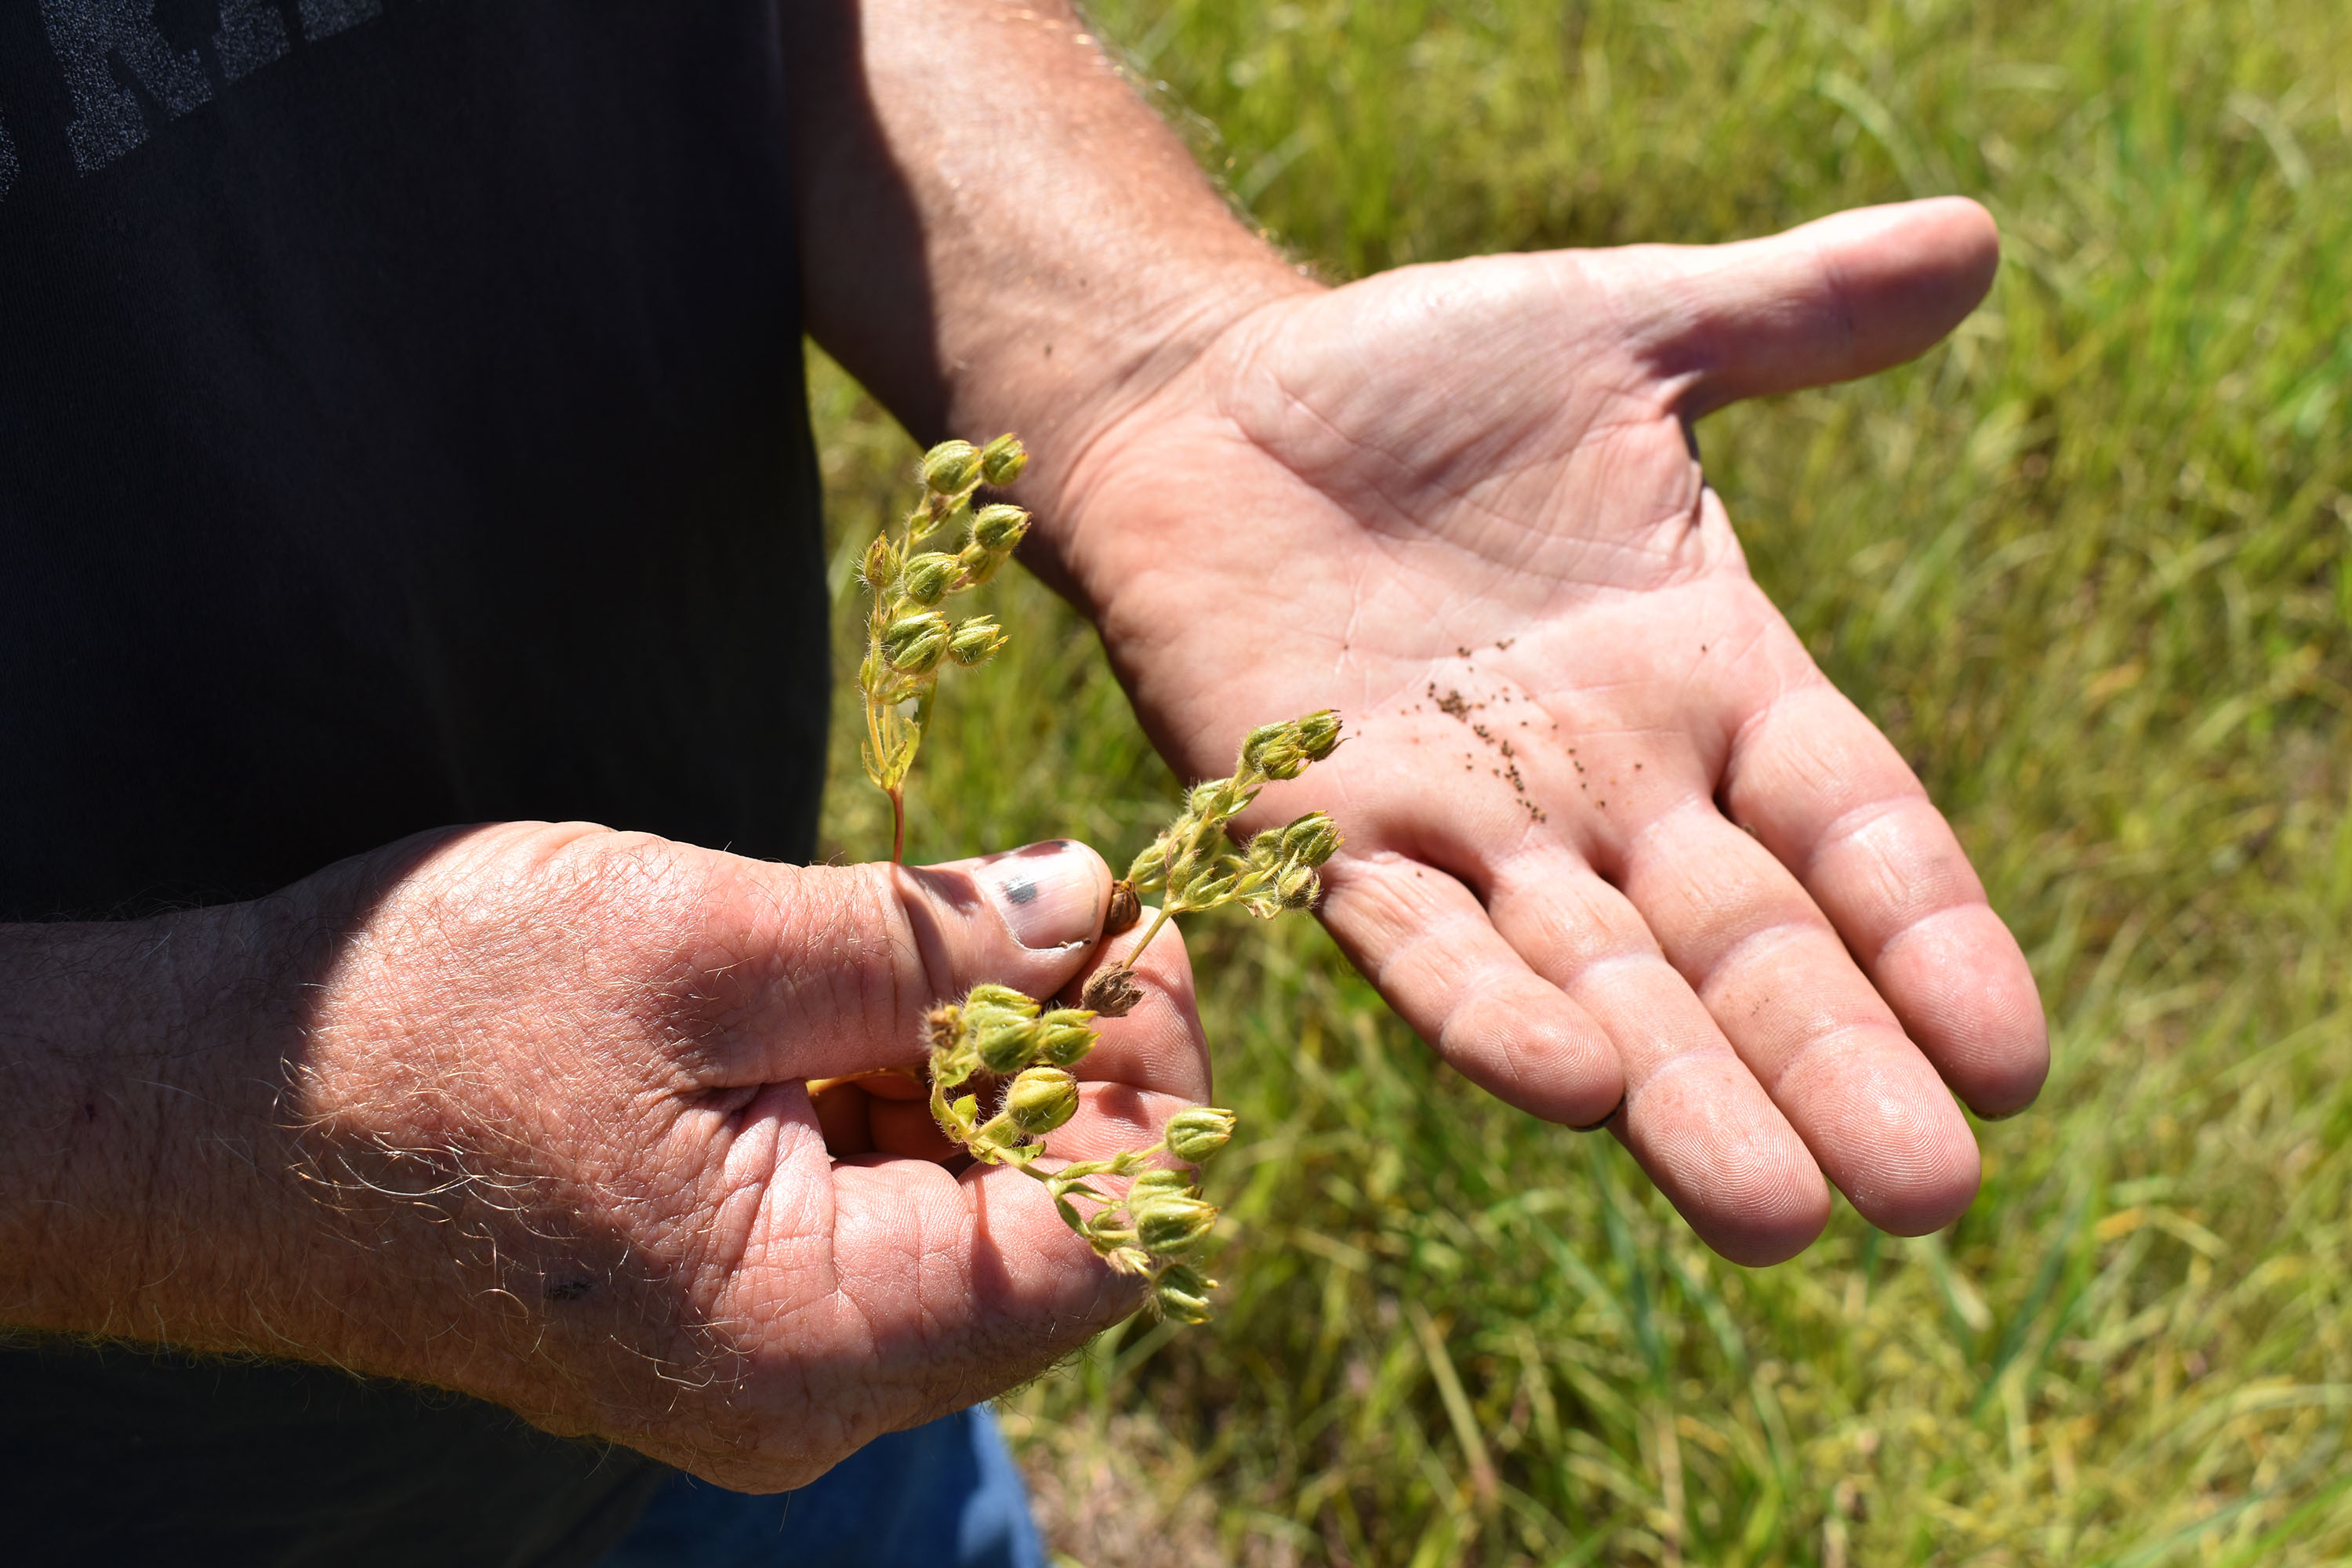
[(1762, 1241), (1726, 1159), (2010, 1076), (1915, 270), (1843, 296), (1889, 1134), (1779, 1212), (1051, 896), (1972, 239), (1965, 993), (1923, 1201), (1955, 235)]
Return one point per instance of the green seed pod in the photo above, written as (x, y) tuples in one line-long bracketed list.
[(1311, 840), (1205, 888), (1041, 1099), (1194, 1135), (977, 564), (1160, 1184), (879, 569), (929, 576), (1318, 734), (1259, 742), (1148, 870), (977, 641), (1065, 1036), (1181, 1292), (1169, 1226), (1002, 460), (950, 467), (997, 529), (915, 643), (1214, 803), (1005, 1045), (988, 994), (1266, 851), (1298, 886), (1273, 751)]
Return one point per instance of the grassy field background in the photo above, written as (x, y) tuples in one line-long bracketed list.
[(2091, 565)]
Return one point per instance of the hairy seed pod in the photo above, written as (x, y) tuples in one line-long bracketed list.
[(1265, 738), (979, 565), (1002, 460), (977, 641), (1170, 1226), (929, 576), (1318, 734), (1181, 1292), (1065, 1036), (1311, 840), (915, 644), (1266, 851), (1177, 1307), (1196, 1134), (1148, 870), (988, 994), (1005, 1045), (1159, 1183), (1111, 993), (1041, 1099), (997, 529), (950, 467), (879, 569), (1280, 759)]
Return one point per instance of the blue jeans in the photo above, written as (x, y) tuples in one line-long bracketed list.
[(942, 1496)]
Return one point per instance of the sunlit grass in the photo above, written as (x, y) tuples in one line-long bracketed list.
[(2091, 566)]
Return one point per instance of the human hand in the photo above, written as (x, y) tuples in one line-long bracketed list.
[(554, 1088), (1616, 845)]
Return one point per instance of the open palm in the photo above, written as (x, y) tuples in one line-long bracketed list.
[(1616, 845)]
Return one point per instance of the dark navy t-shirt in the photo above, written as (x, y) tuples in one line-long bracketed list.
[(401, 424)]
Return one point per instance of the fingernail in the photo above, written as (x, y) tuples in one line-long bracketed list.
[(1049, 894)]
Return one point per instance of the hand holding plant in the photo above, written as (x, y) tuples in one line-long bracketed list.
[(999, 1040)]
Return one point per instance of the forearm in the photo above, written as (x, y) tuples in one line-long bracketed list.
[(997, 232), (176, 1168), (140, 1163)]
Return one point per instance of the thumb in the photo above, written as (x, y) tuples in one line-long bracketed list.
[(847, 960), (1025, 918), (1839, 297)]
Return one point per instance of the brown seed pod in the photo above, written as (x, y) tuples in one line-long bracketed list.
[(1126, 910), (1111, 993)]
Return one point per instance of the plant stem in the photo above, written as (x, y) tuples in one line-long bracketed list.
[(1136, 951), (897, 824)]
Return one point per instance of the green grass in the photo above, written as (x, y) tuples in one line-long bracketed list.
[(2091, 566)]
